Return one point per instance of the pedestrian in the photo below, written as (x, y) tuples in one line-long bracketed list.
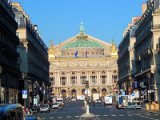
[(104, 104), (94, 104)]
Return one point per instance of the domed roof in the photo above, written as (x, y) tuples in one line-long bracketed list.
[(82, 41)]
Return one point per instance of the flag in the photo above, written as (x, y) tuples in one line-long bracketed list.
[(76, 54)]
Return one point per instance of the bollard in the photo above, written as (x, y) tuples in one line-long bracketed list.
[(88, 117)]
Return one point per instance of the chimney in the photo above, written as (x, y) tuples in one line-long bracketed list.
[(144, 8)]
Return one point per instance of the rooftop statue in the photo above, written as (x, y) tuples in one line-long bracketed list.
[(114, 49), (51, 48)]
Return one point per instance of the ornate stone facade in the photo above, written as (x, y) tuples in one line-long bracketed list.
[(82, 58), (33, 58)]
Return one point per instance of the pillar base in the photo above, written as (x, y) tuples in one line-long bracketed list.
[(89, 116)]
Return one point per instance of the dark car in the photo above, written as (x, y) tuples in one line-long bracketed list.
[(35, 108), (11, 112)]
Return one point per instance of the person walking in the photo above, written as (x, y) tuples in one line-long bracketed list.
[(94, 104)]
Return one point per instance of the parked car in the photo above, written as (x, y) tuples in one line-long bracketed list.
[(35, 108), (44, 108), (55, 105), (60, 102), (11, 111), (134, 105), (99, 101), (73, 99)]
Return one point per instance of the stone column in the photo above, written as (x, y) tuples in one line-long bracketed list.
[(88, 76), (58, 80), (109, 78), (98, 78), (68, 80), (78, 79)]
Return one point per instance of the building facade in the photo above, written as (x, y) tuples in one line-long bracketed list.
[(82, 58), (9, 71), (146, 36), (125, 59), (33, 59), (146, 53)]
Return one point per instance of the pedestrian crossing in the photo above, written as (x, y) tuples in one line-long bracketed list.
[(98, 115), (68, 117)]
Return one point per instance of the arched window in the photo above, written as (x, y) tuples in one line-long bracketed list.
[(83, 72), (103, 79), (63, 80), (63, 73), (73, 80)]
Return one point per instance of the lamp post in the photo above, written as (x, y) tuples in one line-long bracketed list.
[(87, 97), (149, 89)]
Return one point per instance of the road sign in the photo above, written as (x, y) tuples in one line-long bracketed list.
[(24, 94)]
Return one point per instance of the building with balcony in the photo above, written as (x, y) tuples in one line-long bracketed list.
[(125, 59), (9, 70), (80, 58), (33, 58), (147, 56), (143, 54)]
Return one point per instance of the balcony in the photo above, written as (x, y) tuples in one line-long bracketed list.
[(156, 26)]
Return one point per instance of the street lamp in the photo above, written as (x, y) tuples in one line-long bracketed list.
[(87, 97), (149, 89)]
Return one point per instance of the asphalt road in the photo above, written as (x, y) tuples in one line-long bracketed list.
[(73, 111)]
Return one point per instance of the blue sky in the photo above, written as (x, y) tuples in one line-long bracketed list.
[(59, 20)]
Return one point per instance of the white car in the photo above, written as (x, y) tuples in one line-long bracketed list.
[(44, 108), (55, 105), (134, 105), (61, 103)]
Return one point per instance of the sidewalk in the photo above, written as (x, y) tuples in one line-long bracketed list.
[(156, 112), (150, 111)]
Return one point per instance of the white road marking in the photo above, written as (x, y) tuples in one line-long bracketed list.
[(97, 115), (145, 116), (77, 116), (43, 118), (113, 115), (121, 115), (60, 117), (68, 116), (51, 117), (129, 115), (105, 115)]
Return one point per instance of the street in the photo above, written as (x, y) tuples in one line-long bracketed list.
[(73, 110)]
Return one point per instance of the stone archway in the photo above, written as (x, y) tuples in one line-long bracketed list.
[(74, 93), (63, 93), (104, 92), (94, 91)]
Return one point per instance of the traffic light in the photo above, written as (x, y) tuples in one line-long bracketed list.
[(87, 84)]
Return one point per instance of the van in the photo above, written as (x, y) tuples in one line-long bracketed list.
[(11, 112)]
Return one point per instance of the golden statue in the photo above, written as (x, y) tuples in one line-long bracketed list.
[(51, 48), (114, 48)]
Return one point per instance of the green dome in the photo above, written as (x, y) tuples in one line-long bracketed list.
[(81, 43)]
